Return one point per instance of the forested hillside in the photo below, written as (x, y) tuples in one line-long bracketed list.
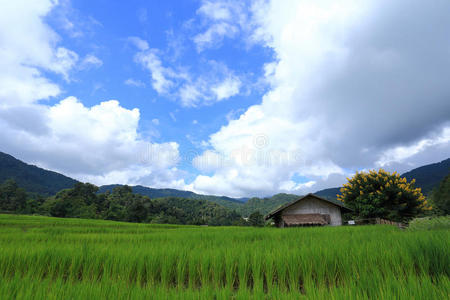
[(161, 193), (83, 201), (266, 205), (263, 205), (37, 181), (428, 177), (33, 179)]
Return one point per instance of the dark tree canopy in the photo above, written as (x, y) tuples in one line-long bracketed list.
[(256, 219), (440, 197), (12, 198), (84, 201)]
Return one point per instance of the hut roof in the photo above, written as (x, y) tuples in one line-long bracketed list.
[(334, 202)]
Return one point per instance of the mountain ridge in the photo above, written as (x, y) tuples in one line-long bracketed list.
[(34, 179), (427, 177), (37, 180)]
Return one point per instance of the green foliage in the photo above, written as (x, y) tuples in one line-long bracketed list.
[(440, 197), (78, 202), (41, 183), (266, 205), (83, 201), (384, 195), (12, 198), (243, 206), (430, 223), (163, 193), (195, 212), (256, 219), (52, 258)]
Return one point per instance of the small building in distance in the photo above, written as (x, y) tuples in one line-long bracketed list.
[(310, 210)]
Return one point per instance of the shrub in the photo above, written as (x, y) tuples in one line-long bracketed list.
[(430, 223), (380, 194)]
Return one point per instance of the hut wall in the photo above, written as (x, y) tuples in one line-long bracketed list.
[(315, 206)]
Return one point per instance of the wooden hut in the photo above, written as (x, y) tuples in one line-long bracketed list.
[(310, 210)]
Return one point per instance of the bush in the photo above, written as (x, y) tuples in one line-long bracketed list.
[(380, 194), (430, 223)]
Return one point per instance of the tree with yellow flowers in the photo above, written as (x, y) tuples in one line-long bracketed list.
[(380, 194)]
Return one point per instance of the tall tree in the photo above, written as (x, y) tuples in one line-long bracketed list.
[(256, 219), (440, 197), (383, 194), (12, 198)]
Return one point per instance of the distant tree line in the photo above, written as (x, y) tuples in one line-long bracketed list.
[(121, 204)]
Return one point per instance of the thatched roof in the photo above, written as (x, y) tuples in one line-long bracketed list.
[(334, 202), (305, 219)]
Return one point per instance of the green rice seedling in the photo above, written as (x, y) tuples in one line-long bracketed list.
[(51, 258)]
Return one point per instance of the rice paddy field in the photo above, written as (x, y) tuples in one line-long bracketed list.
[(51, 258)]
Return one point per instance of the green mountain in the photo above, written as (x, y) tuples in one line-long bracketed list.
[(43, 182), (243, 206), (427, 178), (328, 193), (266, 205), (33, 179), (227, 202)]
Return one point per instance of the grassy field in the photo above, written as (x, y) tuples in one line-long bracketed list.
[(50, 258)]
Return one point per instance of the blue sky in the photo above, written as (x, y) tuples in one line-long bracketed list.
[(170, 28), (236, 98)]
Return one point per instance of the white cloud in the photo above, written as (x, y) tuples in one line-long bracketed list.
[(350, 87), (402, 153), (227, 88), (101, 143), (27, 48), (155, 121), (215, 83), (134, 82), (214, 35), (65, 60), (216, 10), (222, 19), (91, 60), (160, 75), (139, 43)]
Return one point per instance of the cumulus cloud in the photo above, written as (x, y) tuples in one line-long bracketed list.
[(354, 85), (90, 143), (101, 143), (28, 48)]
